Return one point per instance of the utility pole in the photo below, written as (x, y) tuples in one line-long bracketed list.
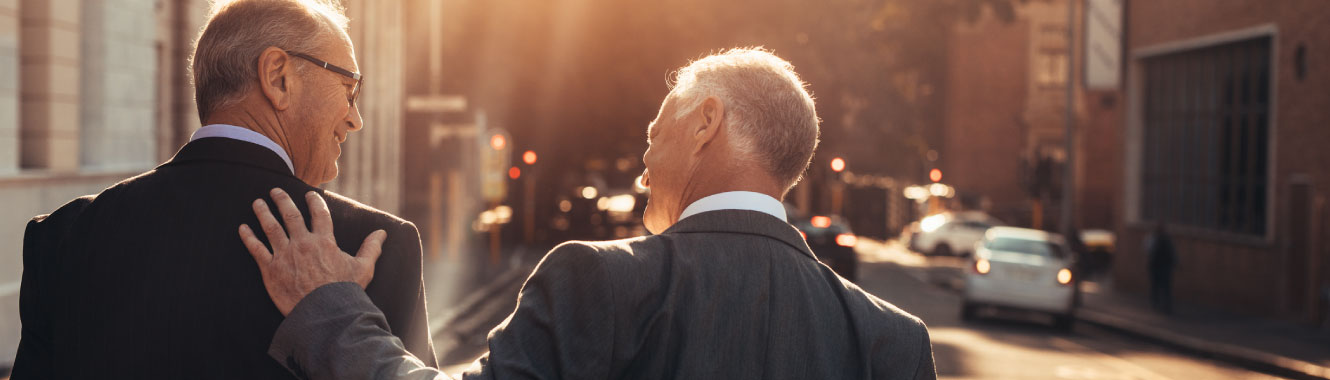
[(1069, 165)]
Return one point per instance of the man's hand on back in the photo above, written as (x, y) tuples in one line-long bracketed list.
[(303, 260)]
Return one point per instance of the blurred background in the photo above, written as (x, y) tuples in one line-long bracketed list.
[(503, 127)]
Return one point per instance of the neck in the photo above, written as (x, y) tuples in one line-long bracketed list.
[(731, 178), (267, 125)]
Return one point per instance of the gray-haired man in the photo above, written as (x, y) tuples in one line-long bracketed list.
[(725, 289), (146, 280)]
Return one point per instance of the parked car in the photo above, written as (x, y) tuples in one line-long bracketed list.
[(1024, 269), (831, 239), (951, 234)]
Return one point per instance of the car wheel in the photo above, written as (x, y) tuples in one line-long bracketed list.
[(968, 311), (942, 250), (1063, 322)]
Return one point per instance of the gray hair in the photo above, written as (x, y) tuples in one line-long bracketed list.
[(766, 105), (224, 65)]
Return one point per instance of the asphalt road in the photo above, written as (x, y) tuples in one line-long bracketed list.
[(1016, 345)]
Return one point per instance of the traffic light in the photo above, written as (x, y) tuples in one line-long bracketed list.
[(529, 157), (935, 175), (837, 164), (514, 173)]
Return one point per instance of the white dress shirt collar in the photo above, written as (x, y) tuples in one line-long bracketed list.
[(736, 200), (243, 134)]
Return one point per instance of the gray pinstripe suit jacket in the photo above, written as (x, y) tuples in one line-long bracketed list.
[(724, 294)]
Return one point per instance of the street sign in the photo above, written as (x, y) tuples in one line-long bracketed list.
[(1103, 44), (495, 150)]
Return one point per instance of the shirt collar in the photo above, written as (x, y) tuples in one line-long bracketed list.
[(736, 200), (243, 134)]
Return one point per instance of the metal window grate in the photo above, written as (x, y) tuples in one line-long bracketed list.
[(1206, 137)]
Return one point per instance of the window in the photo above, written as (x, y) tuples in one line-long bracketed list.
[(1206, 137), (1030, 247), (1051, 68)]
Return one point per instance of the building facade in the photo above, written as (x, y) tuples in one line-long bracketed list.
[(95, 91), (1005, 117), (1224, 135)]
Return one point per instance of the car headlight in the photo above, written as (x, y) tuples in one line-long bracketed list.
[(982, 266), (1064, 276)]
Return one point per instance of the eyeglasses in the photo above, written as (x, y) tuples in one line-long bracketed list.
[(360, 80)]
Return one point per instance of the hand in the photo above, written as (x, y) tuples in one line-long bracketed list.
[(305, 260)]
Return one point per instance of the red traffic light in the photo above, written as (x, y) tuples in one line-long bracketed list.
[(529, 157), (514, 173), (935, 175), (837, 164)]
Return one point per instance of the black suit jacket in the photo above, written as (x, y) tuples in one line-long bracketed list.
[(727, 294), (149, 279)]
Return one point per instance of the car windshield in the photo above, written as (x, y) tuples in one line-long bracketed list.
[(1032, 247)]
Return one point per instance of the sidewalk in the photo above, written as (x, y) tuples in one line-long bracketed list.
[(1275, 347)]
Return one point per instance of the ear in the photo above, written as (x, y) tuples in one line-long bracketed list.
[(709, 116), (276, 77)]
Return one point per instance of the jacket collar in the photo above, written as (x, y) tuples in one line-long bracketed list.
[(743, 222), (221, 149)]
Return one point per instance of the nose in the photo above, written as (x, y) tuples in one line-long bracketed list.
[(645, 179), (353, 121)]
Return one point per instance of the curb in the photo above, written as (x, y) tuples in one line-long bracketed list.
[(1241, 356)]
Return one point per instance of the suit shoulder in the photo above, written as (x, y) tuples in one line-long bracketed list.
[(341, 204), (66, 212), (897, 320), (609, 251)]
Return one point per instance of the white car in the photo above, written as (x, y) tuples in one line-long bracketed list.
[(1019, 268), (951, 234)]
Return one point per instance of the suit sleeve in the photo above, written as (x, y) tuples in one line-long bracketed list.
[(398, 290), (36, 357), (563, 326), (926, 369), (335, 333)]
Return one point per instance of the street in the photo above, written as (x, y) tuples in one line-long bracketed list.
[(1015, 346)]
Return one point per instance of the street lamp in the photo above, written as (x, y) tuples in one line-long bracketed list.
[(837, 164), (529, 157)]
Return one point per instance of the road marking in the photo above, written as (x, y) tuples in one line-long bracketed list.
[(1132, 369)]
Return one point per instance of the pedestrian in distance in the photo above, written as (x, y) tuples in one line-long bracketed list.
[(1161, 258)]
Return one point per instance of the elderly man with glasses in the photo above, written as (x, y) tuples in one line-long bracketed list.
[(147, 280)]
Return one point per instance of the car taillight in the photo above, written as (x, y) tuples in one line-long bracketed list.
[(847, 240), (821, 221), (1064, 276), (982, 266)]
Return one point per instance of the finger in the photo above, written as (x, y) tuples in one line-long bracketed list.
[(255, 247), (368, 255), (319, 215), (295, 222), (272, 229)]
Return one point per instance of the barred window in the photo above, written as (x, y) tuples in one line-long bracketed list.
[(1206, 137)]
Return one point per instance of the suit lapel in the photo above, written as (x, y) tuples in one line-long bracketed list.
[(230, 150), (743, 222)]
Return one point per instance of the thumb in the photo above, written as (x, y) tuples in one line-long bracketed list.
[(368, 255)]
